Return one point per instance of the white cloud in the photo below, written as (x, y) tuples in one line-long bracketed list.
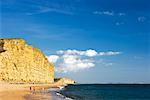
[(137, 57), (121, 14), (109, 13), (73, 63), (47, 10), (108, 64), (76, 60), (89, 53), (119, 23), (141, 19), (53, 58), (110, 53)]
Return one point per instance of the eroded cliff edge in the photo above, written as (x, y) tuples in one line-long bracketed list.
[(20, 62)]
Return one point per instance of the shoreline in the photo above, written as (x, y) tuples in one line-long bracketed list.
[(28, 91)]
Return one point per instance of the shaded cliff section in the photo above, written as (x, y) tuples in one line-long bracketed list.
[(21, 63)]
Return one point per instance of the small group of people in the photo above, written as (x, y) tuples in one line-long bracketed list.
[(32, 88)]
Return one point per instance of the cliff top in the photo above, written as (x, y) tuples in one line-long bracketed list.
[(11, 39)]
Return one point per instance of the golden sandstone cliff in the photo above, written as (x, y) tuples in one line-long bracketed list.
[(21, 63)]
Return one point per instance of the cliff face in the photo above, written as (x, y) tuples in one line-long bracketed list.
[(22, 63)]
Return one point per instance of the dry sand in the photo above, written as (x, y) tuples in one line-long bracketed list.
[(23, 91)]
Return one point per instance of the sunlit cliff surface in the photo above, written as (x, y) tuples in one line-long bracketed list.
[(20, 62)]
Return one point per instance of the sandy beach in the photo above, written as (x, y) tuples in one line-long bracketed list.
[(26, 91)]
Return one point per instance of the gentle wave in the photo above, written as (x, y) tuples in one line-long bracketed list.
[(61, 88), (66, 98)]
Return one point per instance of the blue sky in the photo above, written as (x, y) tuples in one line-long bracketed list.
[(100, 41)]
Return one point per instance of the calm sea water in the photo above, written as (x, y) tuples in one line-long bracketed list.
[(107, 92)]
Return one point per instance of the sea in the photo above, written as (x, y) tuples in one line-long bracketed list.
[(107, 92), (95, 92)]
